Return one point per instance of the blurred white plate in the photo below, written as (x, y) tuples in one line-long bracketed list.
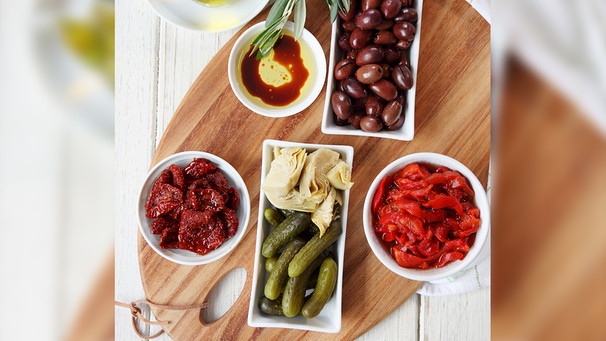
[(195, 16)]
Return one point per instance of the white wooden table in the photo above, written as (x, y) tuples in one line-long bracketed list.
[(156, 63)]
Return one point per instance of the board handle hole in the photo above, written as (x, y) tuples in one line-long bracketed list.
[(223, 295)]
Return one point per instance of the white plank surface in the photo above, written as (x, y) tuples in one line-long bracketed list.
[(156, 63)]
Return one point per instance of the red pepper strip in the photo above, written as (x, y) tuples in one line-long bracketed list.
[(403, 204), (444, 201), (408, 260), (377, 200), (449, 257)]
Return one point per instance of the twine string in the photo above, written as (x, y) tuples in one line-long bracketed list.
[(135, 313)]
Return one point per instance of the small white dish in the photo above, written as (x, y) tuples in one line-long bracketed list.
[(449, 269), (406, 132), (196, 16), (329, 319), (314, 60), (186, 257)]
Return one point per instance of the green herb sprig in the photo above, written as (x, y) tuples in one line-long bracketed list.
[(278, 16)]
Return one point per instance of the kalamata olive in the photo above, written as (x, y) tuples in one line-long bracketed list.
[(385, 38), (352, 54), (353, 88), (341, 104), (358, 105), (370, 4), (348, 26), (345, 68), (386, 24), (343, 41), (368, 20), (369, 73), (402, 77), (391, 112), (404, 30), (391, 55), (370, 124), (403, 44), (390, 8), (374, 106), (384, 89), (355, 119), (369, 55), (398, 124), (402, 100), (353, 9), (360, 38), (404, 60), (407, 14), (407, 3), (340, 122)]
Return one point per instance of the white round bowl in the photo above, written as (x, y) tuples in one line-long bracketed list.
[(311, 90), (195, 16), (449, 269), (184, 256)]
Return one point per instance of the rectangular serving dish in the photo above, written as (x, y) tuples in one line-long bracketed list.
[(406, 132), (329, 320)]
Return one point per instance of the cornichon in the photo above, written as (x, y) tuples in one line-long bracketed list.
[(294, 292), (271, 307), (273, 216), (270, 263), (327, 280), (279, 273), (285, 232), (313, 248)]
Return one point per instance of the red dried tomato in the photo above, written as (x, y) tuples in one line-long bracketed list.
[(194, 208), (426, 216)]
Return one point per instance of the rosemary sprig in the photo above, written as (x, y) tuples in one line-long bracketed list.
[(278, 16)]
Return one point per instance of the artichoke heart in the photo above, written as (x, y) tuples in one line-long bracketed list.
[(340, 176), (313, 183), (323, 215)]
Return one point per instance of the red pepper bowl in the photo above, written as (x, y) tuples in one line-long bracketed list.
[(242, 212), (421, 226)]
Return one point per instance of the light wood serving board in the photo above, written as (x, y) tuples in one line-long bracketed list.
[(452, 117)]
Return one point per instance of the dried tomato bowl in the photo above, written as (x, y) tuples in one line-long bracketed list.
[(382, 249), (242, 212)]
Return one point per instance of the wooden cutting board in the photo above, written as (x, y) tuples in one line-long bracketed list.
[(452, 117)]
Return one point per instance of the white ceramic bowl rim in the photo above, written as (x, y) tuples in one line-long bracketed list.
[(481, 201), (183, 256), (301, 103)]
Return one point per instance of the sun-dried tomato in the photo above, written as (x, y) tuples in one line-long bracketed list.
[(164, 200), (426, 217), (199, 167), (194, 208)]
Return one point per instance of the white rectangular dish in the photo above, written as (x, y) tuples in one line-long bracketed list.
[(406, 132), (329, 319)]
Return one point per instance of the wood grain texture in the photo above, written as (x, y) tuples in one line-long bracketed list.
[(452, 118)]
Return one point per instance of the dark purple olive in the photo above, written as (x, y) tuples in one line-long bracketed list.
[(341, 104), (404, 60), (403, 44), (340, 122), (370, 124), (355, 119), (384, 89), (360, 38), (348, 26), (402, 77), (345, 68), (391, 55), (369, 73), (407, 14), (386, 24), (404, 31), (385, 38), (370, 4), (358, 104), (368, 20), (369, 55), (386, 70), (343, 41), (402, 100), (353, 88), (374, 106), (353, 8), (352, 54), (391, 8), (391, 113), (397, 125)]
